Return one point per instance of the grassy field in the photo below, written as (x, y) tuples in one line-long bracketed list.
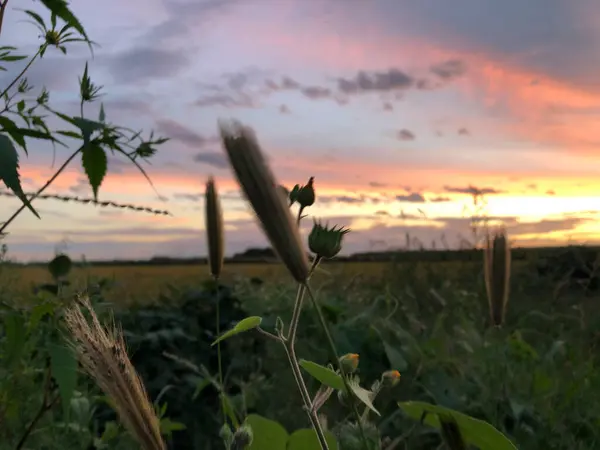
[(537, 379)]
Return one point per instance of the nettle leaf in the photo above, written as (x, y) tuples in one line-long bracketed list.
[(246, 324), (268, 434), (306, 439), (95, 164), (61, 9), (9, 170), (63, 365), (323, 374), (15, 331), (476, 432)]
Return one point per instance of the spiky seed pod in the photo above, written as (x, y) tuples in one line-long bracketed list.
[(260, 188), (306, 194), (214, 229), (390, 378), (103, 355), (326, 242), (497, 258), (350, 362)]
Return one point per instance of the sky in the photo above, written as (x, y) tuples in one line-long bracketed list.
[(398, 108)]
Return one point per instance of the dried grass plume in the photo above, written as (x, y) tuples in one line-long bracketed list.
[(103, 355), (214, 229), (497, 258)]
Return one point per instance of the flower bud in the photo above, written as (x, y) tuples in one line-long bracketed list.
[(226, 435), (306, 194), (349, 362), (242, 438), (390, 378), (326, 242), (293, 196)]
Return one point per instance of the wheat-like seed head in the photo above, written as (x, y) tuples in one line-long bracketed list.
[(261, 189), (214, 229), (103, 355), (497, 257)]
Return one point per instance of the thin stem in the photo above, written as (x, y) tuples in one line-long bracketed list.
[(298, 305), (219, 360), (18, 77), (42, 189), (335, 356), (2, 10), (312, 413)]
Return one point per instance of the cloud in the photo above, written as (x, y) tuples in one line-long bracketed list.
[(414, 197), (215, 159), (405, 135), (449, 70), (439, 199), (316, 92), (364, 82), (139, 64), (178, 132), (284, 109), (472, 190), (463, 132), (238, 100), (387, 106)]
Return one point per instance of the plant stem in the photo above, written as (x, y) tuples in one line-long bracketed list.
[(289, 345), (219, 361), (18, 77), (42, 189), (2, 10), (335, 356)]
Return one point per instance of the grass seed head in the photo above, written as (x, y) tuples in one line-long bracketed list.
[(497, 258), (103, 355), (214, 229), (261, 189)]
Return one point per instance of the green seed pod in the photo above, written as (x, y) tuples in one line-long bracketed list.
[(226, 434), (326, 242), (306, 194), (349, 362), (390, 378), (293, 195), (242, 438)]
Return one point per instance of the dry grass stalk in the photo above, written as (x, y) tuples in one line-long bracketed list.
[(497, 257), (214, 229), (103, 354), (261, 189)]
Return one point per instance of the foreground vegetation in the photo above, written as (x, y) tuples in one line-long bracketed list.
[(421, 356)]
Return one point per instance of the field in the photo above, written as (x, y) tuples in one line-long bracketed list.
[(536, 379)]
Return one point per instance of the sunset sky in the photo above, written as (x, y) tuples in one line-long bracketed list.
[(396, 107)]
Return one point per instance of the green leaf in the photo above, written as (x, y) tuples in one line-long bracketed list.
[(61, 9), (268, 434), (476, 432), (324, 374), (86, 126), (244, 325), (21, 106), (95, 165), (14, 326), (38, 312), (63, 364), (364, 396), (9, 170), (306, 439), (395, 358)]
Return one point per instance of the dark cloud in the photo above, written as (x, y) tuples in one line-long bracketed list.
[(146, 63), (284, 109), (463, 132), (414, 197), (387, 106), (316, 92), (189, 197), (285, 84), (391, 80), (377, 184), (472, 190), (177, 132), (450, 69), (405, 135), (215, 159), (550, 192), (440, 199), (233, 100)]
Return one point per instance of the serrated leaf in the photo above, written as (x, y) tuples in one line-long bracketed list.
[(94, 162), (323, 374), (476, 432), (306, 439), (246, 324), (63, 365), (268, 434), (9, 170), (86, 126)]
